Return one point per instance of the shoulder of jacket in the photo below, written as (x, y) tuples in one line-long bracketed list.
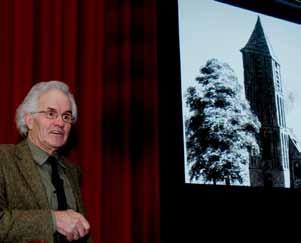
[(7, 148), (71, 164), (7, 155)]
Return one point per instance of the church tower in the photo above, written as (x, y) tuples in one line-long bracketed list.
[(263, 88)]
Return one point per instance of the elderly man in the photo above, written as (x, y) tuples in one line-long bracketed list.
[(39, 189)]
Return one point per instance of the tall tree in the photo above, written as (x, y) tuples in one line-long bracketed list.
[(220, 127)]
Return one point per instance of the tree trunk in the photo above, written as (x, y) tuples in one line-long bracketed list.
[(227, 181)]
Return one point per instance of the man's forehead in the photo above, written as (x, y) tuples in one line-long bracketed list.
[(54, 99)]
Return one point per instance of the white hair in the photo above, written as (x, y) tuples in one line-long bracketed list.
[(30, 102)]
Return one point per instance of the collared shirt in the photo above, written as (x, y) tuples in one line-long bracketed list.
[(40, 157)]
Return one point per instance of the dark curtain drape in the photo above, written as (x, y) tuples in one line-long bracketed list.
[(106, 51)]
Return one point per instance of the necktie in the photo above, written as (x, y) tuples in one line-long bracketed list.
[(58, 184), (60, 194)]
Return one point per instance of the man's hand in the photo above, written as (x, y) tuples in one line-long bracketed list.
[(71, 224)]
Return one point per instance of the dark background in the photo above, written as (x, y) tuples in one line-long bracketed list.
[(192, 213)]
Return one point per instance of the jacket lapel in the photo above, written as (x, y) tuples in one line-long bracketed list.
[(71, 177), (31, 174)]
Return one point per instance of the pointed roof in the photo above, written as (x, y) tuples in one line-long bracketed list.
[(258, 42), (294, 140)]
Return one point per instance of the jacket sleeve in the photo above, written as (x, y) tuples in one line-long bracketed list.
[(24, 224)]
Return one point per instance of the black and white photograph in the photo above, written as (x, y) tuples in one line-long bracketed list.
[(241, 101)]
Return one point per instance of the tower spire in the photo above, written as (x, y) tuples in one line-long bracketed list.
[(258, 42)]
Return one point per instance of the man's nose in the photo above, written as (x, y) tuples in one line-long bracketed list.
[(59, 121)]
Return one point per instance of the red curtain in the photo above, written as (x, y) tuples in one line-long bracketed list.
[(106, 51)]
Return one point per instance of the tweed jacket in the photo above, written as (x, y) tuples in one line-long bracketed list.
[(24, 209)]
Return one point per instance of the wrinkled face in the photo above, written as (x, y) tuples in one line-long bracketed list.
[(49, 134)]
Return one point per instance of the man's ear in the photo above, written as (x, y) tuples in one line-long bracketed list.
[(28, 120)]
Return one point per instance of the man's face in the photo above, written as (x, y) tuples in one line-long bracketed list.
[(49, 134)]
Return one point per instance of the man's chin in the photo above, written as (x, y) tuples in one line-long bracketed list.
[(57, 145)]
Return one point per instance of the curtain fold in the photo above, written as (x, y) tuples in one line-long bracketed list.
[(105, 50)]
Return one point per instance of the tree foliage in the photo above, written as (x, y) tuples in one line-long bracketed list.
[(220, 127)]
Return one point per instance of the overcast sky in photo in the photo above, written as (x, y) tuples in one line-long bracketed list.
[(209, 29)]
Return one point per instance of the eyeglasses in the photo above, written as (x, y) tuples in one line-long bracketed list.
[(53, 114)]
